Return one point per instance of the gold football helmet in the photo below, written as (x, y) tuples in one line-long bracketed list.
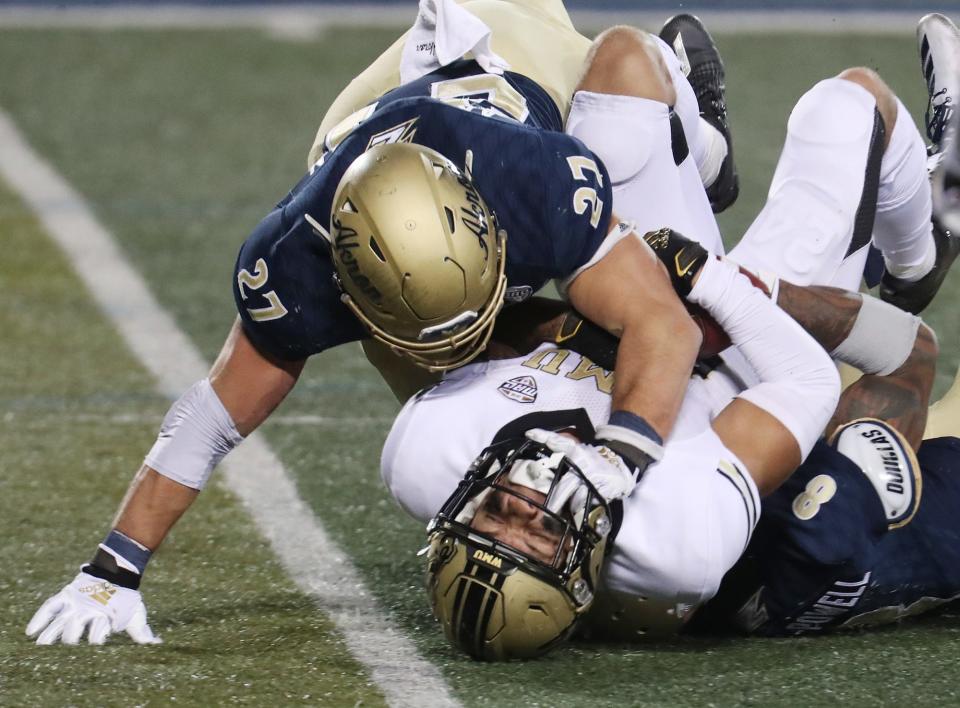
[(495, 601), (417, 254)]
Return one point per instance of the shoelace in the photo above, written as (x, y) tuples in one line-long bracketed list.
[(707, 82), (938, 116)]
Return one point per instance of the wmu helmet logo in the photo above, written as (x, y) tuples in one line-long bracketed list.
[(487, 559), (522, 389)]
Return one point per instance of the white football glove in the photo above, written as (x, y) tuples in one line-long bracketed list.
[(602, 467), (89, 603)]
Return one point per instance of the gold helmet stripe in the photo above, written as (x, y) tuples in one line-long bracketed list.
[(477, 597), (495, 596)]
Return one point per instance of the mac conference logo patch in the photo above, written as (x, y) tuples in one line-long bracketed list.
[(522, 389), (517, 293)]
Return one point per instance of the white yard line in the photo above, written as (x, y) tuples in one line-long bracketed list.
[(254, 473), (150, 419), (298, 21)]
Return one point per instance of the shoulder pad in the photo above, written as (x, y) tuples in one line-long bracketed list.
[(888, 461)]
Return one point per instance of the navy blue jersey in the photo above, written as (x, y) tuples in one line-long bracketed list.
[(549, 192), (843, 567)]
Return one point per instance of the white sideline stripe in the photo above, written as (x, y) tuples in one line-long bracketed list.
[(298, 21), (255, 475), (143, 419)]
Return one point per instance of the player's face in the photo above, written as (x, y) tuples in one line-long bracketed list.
[(519, 523)]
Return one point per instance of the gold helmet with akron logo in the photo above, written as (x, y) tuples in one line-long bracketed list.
[(417, 254)]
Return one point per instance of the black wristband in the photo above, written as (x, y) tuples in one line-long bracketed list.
[(682, 257), (104, 566)]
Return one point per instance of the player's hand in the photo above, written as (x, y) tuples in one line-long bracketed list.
[(682, 257), (94, 606), (602, 467)]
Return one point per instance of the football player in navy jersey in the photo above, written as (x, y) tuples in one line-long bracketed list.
[(428, 210)]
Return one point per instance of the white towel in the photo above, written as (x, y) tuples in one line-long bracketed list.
[(443, 33)]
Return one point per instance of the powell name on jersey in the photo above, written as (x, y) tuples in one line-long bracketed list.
[(550, 194)]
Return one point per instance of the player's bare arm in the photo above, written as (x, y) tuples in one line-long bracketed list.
[(250, 385), (628, 294), (243, 388)]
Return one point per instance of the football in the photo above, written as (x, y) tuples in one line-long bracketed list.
[(715, 340)]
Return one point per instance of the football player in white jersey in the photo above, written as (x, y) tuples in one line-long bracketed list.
[(530, 541), (691, 520), (684, 523)]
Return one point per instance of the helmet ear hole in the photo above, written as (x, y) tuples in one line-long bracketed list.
[(450, 220), (375, 247)]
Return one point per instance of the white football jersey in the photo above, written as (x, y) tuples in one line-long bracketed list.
[(684, 525)]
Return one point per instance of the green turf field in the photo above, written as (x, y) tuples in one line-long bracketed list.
[(181, 142)]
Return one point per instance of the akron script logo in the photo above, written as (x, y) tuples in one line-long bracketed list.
[(522, 389)]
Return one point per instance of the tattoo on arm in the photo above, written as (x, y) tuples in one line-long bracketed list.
[(828, 314), (900, 398)]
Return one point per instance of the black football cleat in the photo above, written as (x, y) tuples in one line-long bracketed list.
[(703, 67), (914, 297)]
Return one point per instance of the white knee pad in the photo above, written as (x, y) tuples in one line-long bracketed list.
[(805, 229), (632, 137), (623, 131), (834, 112)]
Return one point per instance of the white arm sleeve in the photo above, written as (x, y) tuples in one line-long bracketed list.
[(196, 434), (799, 384)]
